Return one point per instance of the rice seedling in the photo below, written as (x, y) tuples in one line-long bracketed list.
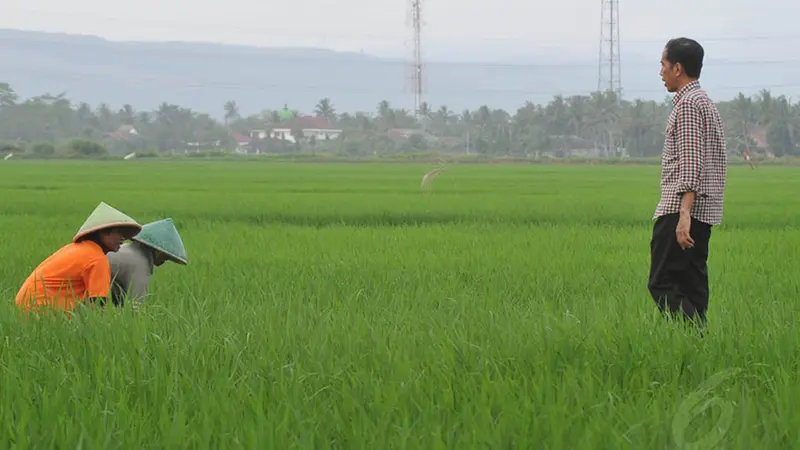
[(332, 306)]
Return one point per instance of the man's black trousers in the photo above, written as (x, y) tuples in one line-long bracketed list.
[(679, 278)]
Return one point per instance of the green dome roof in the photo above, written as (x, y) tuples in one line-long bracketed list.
[(285, 114)]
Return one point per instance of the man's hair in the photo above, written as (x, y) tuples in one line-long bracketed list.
[(94, 236), (689, 53)]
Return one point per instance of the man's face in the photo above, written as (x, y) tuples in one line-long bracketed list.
[(112, 239), (159, 258), (669, 73)]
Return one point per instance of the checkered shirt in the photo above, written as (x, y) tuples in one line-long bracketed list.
[(694, 157)]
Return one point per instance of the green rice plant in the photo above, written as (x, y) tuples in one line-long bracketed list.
[(337, 306)]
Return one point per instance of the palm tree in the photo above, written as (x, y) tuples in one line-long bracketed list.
[(425, 110), (7, 95), (386, 115), (231, 111), (143, 118), (127, 114), (84, 112), (326, 110), (603, 120), (638, 128), (106, 117), (782, 128), (558, 116), (765, 105), (743, 117), (442, 119), (577, 115)]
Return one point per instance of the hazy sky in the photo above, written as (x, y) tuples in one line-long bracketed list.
[(453, 27)]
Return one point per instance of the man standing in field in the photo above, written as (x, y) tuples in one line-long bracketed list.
[(132, 265), (693, 176)]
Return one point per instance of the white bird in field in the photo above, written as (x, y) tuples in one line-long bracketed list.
[(426, 180), (8, 156)]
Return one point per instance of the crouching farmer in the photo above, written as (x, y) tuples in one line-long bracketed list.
[(132, 266), (79, 272)]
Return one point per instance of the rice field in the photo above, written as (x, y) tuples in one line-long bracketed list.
[(338, 306)]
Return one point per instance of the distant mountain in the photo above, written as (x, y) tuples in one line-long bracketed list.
[(204, 76)]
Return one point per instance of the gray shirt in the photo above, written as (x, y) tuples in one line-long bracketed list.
[(131, 268)]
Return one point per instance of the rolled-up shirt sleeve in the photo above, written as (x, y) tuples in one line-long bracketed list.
[(691, 145)]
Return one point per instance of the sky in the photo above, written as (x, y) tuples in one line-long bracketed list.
[(746, 36), (453, 29)]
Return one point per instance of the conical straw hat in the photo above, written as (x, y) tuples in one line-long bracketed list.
[(104, 217), (162, 235)]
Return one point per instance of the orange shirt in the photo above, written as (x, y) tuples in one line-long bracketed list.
[(75, 272)]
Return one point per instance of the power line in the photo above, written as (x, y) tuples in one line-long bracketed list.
[(163, 82), (275, 27), (478, 64)]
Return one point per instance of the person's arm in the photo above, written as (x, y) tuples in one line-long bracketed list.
[(97, 277), (687, 202), (139, 284), (691, 146), (117, 287)]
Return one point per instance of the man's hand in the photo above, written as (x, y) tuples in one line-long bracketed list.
[(682, 231), (685, 221)]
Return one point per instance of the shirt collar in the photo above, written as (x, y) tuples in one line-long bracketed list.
[(693, 85)]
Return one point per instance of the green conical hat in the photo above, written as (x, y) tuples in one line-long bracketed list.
[(162, 235), (104, 217)]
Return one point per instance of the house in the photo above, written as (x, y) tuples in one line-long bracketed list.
[(310, 127), (125, 139), (759, 137), (757, 144), (123, 133), (404, 134), (450, 143), (242, 141)]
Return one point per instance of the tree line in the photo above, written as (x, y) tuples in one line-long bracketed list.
[(48, 124)]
